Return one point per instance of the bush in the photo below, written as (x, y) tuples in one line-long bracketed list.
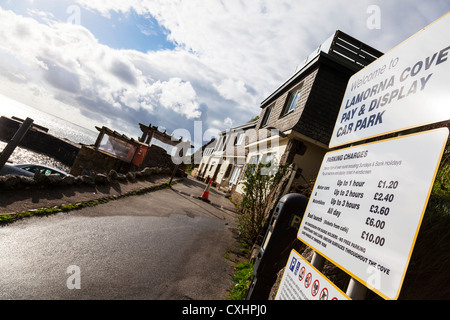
[(259, 182), (427, 275), (442, 183)]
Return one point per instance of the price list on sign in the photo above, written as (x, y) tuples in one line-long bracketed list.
[(367, 205)]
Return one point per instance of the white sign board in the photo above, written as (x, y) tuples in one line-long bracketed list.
[(301, 281), (405, 88), (367, 206)]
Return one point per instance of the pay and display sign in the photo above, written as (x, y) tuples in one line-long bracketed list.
[(405, 88), (301, 281), (367, 206)]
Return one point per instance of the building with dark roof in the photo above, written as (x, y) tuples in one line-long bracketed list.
[(297, 119)]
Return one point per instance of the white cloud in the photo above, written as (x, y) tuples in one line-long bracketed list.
[(229, 55), (251, 42), (228, 122), (248, 48), (105, 7), (179, 96), (233, 90), (68, 63)]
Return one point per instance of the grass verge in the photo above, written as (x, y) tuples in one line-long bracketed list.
[(243, 271), (242, 278)]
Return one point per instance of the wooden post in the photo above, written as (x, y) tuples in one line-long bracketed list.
[(99, 138), (180, 154), (150, 135), (174, 172), (17, 138)]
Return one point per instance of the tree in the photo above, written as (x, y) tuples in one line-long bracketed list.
[(259, 181)]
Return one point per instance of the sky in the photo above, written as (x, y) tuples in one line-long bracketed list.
[(181, 65)]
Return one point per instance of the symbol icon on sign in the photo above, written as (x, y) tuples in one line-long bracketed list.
[(308, 280), (315, 288), (293, 262), (301, 274), (297, 267), (324, 294)]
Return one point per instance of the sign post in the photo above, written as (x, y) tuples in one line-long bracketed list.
[(15, 141), (368, 201), (405, 88), (367, 205)]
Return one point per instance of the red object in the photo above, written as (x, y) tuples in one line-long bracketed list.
[(139, 155), (205, 194)]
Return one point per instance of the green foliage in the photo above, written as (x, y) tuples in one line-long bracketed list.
[(427, 275), (253, 119), (259, 182), (442, 183), (242, 279)]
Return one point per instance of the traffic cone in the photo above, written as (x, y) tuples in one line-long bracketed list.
[(205, 194)]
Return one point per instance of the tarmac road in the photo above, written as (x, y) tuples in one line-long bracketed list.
[(162, 245)]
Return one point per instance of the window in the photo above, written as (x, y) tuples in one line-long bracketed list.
[(239, 139), (254, 160), (225, 142), (270, 163), (118, 148), (235, 175), (266, 117), (227, 173), (221, 144), (268, 158), (252, 164), (291, 101)]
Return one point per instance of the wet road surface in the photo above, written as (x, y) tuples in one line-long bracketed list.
[(162, 245)]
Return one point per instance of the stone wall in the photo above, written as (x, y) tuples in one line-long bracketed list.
[(91, 161), (10, 182), (157, 157), (40, 141)]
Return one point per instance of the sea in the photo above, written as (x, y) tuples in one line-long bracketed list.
[(56, 126)]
